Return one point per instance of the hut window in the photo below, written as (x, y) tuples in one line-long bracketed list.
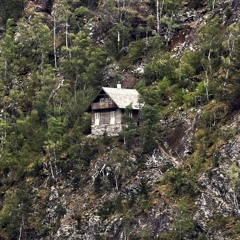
[(112, 117), (97, 118)]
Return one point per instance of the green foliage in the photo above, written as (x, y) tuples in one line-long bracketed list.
[(184, 71), (110, 207), (195, 4), (156, 45), (162, 66), (83, 13), (146, 234), (82, 62), (174, 5), (15, 212), (228, 224), (228, 12), (136, 52), (97, 185), (10, 9), (128, 136), (147, 138), (183, 225), (212, 115), (43, 106), (192, 59), (86, 3), (144, 188), (182, 181), (55, 129), (233, 84), (211, 37), (119, 37), (234, 174)]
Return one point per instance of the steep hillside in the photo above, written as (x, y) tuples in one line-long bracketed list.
[(176, 176)]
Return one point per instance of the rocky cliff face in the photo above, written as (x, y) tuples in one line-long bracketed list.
[(88, 216), (219, 195)]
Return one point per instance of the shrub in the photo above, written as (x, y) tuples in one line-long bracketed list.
[(182, 182), (110, 207)]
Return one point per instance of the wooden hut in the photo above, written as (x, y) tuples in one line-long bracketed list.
[(108, 107)]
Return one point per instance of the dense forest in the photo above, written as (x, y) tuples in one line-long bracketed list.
[(176, 176)]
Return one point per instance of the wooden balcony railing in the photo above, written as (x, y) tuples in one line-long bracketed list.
[(104, 105)]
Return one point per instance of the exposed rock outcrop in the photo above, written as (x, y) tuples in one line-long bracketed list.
[(43, 6)]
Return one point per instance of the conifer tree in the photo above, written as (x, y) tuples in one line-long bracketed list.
[(211, 45)]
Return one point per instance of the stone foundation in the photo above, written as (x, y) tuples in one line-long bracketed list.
[(110, 130)]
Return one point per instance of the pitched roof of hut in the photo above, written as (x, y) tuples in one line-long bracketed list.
[(124, 97)]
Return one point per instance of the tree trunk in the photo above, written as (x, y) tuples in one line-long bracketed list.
[(5, 70), (206, 82), (20, 230), (54, 40), (66, 37), (158, 17), (213, 4)]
